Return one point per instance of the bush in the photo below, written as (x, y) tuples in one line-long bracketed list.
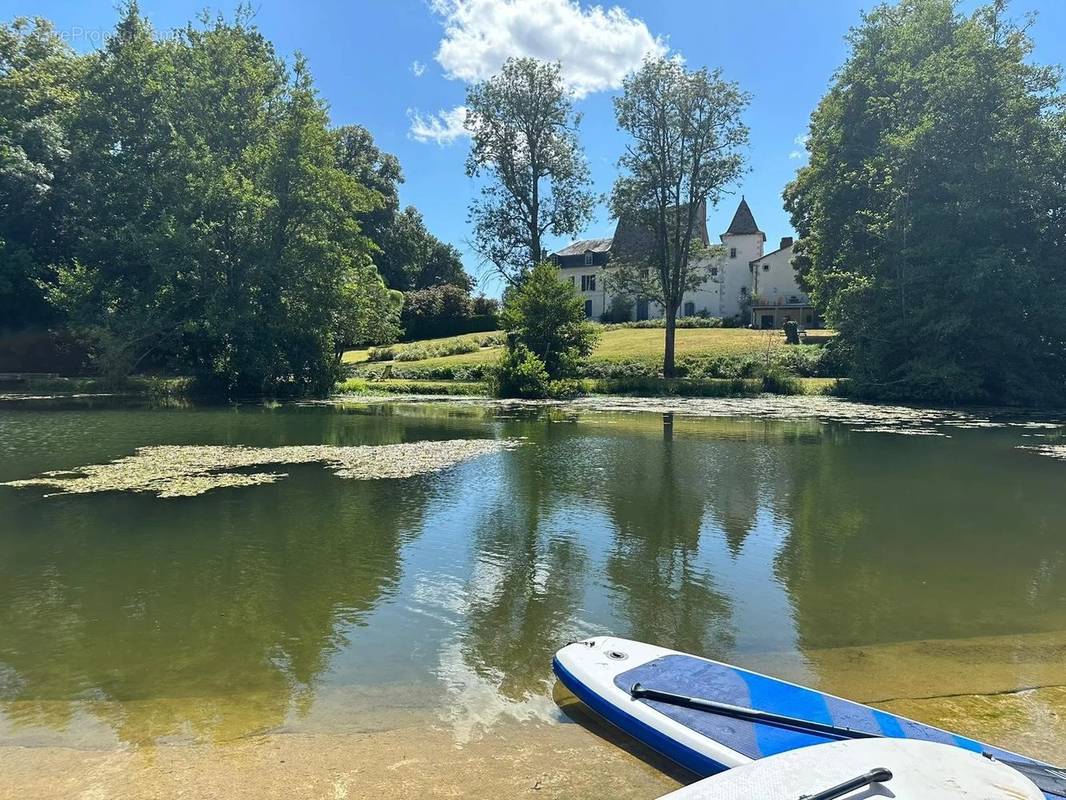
[(620, 311), (565, 389), (546, 315), (486, 306), (387, 353), (520, 374), (777, 381), (697, 321), (446, 310)]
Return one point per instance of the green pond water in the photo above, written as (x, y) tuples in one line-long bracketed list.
[(776, 538)]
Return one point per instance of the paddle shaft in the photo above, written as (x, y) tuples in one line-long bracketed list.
[(877, 775), (1047, 778), (749, 714)]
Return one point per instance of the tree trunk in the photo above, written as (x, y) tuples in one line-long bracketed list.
[(668, 353)]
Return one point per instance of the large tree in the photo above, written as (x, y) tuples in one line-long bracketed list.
[(38, 86), (932, 214), (212, 226), (524, 141), (687, 137), (406, 254)]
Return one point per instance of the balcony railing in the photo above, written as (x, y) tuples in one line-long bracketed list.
[(790, 300)]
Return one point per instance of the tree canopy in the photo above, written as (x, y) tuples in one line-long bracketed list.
[(183, 204), (932, 214), (523, 133)]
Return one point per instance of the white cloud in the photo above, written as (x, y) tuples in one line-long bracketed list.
[(444, 127), (417, 67), (800, 141), (596, 46)]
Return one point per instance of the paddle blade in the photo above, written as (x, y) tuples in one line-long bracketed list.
[(1048, 779)]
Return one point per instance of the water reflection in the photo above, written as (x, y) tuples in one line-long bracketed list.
[(230, 613), (227, 609)]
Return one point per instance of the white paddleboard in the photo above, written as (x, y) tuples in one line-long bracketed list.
[(920, 771)]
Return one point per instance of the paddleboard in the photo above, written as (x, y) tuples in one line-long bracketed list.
[(601, 671), (917, 770)]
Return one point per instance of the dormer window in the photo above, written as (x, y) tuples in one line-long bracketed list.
[(589, 259)]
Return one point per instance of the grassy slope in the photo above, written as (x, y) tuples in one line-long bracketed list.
[(630, 344)]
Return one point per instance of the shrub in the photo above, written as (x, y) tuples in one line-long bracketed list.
[(520, 374), (777, 381), (387, 353), (697, 321), (446, 310), (621, 310), (546, 315), (565, 389)]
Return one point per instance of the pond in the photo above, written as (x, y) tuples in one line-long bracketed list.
[(397, 633)]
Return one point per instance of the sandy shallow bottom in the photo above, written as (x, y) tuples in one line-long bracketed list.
[(1008, 690)]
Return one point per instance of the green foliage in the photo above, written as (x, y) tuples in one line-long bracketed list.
[(523, 132), (520, 373), (687, 142), (932, 214), (546, 315), (680, 322), (38, 87), (777, 381), (200, 216), (406, 254), (620, 310)]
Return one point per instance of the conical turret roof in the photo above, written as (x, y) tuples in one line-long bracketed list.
[(743, 223)]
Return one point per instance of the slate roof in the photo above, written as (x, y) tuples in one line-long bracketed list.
[(743, 222), (634, 237), (585, 245)]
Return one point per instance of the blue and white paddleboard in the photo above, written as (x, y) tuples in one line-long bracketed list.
[(602, 671), (867, 768)]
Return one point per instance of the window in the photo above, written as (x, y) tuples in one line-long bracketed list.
[(588, 283), (588, 309), (572, 281), (590, 259), (765, 267), (732, 252), (556, 260), (690, 309), (714, 272), (751, 268), (643, 273), (793, 299), (744, 291)]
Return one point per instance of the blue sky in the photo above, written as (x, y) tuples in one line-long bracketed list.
[(387, 64)]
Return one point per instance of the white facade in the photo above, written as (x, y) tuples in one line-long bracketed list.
[(739, 281)]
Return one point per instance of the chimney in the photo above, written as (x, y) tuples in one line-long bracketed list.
[(786, 241)]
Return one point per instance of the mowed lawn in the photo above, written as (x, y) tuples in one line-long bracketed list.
[(627, 344)]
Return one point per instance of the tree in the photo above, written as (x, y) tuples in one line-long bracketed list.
[(38, 80), (546, 315), (211, 227), (410, 257), (687, 135), (524, 140), (407, 255), (932, 214)]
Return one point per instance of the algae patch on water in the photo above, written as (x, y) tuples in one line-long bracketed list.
[(189, 470)]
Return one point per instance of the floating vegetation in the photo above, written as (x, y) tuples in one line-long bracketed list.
[(1051, 450), (189, 470), (868, 417)]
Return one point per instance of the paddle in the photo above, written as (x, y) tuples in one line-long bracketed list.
[(1047, 778)]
